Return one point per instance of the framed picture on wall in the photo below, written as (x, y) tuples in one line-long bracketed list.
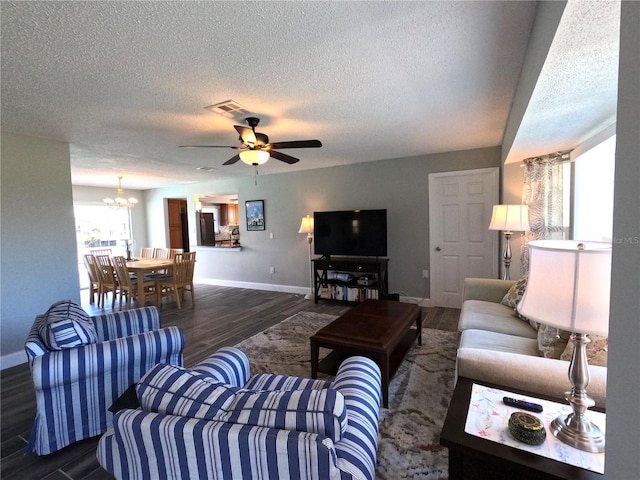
[(255, 215)]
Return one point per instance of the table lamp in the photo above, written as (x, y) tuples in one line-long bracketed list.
[(509, 218), (568, 288), (306, 226)]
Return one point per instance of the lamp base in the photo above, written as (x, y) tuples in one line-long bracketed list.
[(578, 432)]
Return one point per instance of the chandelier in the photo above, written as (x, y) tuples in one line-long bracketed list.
[(120, 201)]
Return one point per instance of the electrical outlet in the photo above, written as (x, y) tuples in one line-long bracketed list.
[(271, 238), (425, 273), (272, 269)]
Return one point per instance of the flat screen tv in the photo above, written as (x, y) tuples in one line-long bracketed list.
[(351, 232)]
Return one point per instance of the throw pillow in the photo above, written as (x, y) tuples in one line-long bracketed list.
[(596, 351), (514, 294), (551, 341), (67, 325), (175, 390)]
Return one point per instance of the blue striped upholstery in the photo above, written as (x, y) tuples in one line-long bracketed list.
[(75, 387), (271, 381), (315, 411), (229, 365), (146, 445), (66, 325), (177, 391)]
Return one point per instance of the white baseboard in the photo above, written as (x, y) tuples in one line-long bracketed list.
[(421, 302), (12, 359), (270, 287)]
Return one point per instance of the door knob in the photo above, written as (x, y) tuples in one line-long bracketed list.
[(438, 249)]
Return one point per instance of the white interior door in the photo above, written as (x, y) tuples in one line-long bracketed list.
[(460, 206)]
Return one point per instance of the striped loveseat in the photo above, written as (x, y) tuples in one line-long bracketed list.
[(214, 422), (75, 386)]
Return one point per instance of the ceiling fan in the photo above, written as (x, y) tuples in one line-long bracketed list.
[(256, 149)]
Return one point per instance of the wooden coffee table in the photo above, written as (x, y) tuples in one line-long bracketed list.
[(377, 329)]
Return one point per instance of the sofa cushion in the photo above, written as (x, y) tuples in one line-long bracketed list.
[(493, 317), (66, 325), (482, 339), (515, 292), (177, 391), (313, 411)]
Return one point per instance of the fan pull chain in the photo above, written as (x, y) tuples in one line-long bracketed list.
[(256, 177)]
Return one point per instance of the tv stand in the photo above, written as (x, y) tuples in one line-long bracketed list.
[(326, 288)]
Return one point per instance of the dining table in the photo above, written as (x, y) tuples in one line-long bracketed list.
[(147, 265)]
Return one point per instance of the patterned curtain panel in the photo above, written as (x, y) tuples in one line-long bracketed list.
[(543, 194)]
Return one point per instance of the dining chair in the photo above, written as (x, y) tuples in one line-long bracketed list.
[(128, 287), (160, 253), (174, 251), (94, 277), (146, 252), (108, 280), (100, 251), (180, 280)]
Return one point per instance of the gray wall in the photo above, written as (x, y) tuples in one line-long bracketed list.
[(399, 185), (623, 391), (38, 255)]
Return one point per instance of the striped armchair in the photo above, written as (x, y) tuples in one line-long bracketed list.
[(214, 422), (75, 386)]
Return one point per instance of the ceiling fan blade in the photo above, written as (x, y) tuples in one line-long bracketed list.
[(246, 134), (207, 146), (232, 160), (283, 157), (261, 139), (297, 144)]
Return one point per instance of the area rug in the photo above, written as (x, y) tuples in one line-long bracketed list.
[(408, 445)]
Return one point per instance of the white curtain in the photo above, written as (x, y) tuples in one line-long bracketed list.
[(543, 185)]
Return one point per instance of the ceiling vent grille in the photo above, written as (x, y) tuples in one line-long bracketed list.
[(231, 109)]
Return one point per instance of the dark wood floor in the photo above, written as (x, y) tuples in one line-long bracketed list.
[(222, 316)]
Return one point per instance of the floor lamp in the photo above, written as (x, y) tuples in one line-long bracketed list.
[(568, 288), (306, 226), (509, 218)]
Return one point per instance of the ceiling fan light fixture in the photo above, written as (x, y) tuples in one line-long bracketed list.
[(254, 157)]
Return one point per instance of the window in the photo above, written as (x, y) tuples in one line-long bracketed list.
[(593, 192), (99, 227)]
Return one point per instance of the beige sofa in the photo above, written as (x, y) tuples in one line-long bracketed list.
[(498, 347)]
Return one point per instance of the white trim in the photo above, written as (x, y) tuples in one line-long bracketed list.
[(492, 175), (270, 287), (13, 359), (421, 302)]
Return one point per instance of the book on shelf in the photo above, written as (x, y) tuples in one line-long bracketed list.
[(345, 293)]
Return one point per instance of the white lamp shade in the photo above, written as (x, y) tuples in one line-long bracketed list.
[(306, 226), (254, 157), (510, 218), (569, 285)]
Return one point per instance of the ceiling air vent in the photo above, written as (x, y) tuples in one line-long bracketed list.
[(231, 109)]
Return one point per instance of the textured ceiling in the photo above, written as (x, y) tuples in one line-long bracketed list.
[(126, 83), (576, 94)]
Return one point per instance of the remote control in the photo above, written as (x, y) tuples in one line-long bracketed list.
[(532, 407)]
